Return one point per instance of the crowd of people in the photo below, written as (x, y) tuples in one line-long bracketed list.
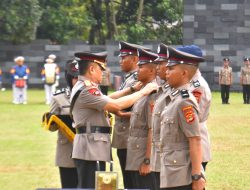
[(160, 109)]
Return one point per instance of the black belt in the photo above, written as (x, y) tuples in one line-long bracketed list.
[(94, 129)]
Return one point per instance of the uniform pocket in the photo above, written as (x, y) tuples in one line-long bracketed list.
[(169, 125), (176, 158)]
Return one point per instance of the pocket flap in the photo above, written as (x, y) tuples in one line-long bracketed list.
[(176, 158)]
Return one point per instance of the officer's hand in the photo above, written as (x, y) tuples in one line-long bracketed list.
[(137, 86), (199, 185), (149, 88), (144, 169)]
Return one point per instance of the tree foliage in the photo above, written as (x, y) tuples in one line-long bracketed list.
[(94, 21), (19, 20), (63, 20)]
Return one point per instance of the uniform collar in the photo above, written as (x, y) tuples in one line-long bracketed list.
[(164, 87), (83, 79), (176, 91), (130, 73), (196, 75)]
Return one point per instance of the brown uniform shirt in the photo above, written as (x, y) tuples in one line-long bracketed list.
[(225, 76), (88, 111), (160, 104), (201, 91), (121, 128), (140, 122), (179, 121), (245, 75), (64, 147)]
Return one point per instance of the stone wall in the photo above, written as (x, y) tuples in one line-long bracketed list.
[(36, 52), (222, 29)]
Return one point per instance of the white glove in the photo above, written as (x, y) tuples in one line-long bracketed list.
[(57, 77), (16, 77), (25, 77)]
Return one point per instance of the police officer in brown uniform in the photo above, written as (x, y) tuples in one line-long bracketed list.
[(140, 134), (128, 64), (245, 80), (181, 152), (60, 106), (200, 89), (88, 105), (158, 108), (225, 80)]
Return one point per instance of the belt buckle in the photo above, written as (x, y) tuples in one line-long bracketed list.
[(106, 180)]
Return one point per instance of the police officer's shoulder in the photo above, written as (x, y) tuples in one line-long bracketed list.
[(196, 83), (135, 75), (60, 91), (184, 93)]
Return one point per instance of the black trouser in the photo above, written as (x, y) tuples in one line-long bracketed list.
[(156, 176), (104, 89), (86, 172), (186, 187), (68, 177), (225, 93), (246, 94), (127, 180), (143, 182)]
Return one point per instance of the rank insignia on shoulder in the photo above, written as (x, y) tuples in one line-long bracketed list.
[(188, 113), (196, 84), (184, 93), (175, 92), (60, 91), (166, 86), (135, 75), (94, 91), (87, 83)]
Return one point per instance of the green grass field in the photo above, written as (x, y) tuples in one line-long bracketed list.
[(27, 151)]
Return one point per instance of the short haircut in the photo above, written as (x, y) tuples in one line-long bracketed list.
[(83, 66)]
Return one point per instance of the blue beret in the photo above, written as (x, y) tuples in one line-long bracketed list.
[(191, 49), (190, 55)]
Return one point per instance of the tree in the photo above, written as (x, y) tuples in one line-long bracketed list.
[(63, 20), (19, 20)]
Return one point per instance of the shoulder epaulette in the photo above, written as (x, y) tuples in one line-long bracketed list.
[(175, 92), (184, 93), (196, 83), (61, 91), (135, 75), (166, 86)]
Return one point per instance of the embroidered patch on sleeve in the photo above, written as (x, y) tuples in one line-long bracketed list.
[(94, 91), (189, 114), (197, 95)]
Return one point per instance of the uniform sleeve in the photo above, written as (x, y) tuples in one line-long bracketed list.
[(151, 104), (54, 107), (92, 98), (188, 118), (203, 97)]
